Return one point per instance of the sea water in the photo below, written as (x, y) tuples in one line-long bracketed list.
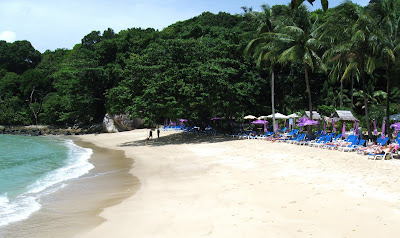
[(33, 167)]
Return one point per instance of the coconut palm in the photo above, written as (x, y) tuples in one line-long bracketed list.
[(299, 45), (361, 50), (388, 18), (333, 32), (264, 52)]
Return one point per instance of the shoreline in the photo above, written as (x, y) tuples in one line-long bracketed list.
[(75, 208), (199, 186)]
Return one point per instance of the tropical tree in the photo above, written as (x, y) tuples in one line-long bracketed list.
[(264, 54), (361, 50), (388, 19), (299, 45)]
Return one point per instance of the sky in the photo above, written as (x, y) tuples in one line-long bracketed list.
[(52, 24)]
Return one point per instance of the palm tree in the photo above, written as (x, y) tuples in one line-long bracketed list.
[(388, 19), (361, 50), (334, 32), (264, 52), (299, 45)]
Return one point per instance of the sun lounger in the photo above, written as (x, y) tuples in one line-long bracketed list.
[(299, 139), (353, 147), (384, 153), (345, 147), (321, 140)]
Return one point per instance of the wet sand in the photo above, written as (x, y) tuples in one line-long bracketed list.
[(74, 209), (201, 186)]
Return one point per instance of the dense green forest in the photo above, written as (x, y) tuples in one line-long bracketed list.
[(213, 65)]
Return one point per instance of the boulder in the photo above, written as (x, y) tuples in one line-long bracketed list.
[(121, 122), (109, 124)]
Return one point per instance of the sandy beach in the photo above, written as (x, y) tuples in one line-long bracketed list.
[(204, 186)]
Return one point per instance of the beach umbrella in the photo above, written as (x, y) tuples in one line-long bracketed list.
[(293, 115), (324, 128), (265, 127), (249, 117), (395, 126), (278, 116), (344, 130), (259, 122), (333, 125), (356, 127), (383, 129), (375, 130), (308, 122), (276, 127)]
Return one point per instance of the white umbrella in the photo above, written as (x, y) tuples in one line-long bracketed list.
[(278, 116), (293, 115), (249, 117), (262, 117)]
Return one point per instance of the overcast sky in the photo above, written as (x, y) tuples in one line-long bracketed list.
[(52, 24)]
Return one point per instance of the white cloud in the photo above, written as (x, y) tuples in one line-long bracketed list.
[(8, 36)]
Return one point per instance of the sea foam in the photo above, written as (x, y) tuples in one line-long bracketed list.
[(22, 206)]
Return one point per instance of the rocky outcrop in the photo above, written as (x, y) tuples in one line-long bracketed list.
[(50, 130), (121, 122)]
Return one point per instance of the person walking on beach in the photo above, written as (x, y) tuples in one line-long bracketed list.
[(151, 134), (158, 132)]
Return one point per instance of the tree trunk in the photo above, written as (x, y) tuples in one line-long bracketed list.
[(352, 89), (341, 94), (366, 104), (309, 131), (273, 99), (387, 102)]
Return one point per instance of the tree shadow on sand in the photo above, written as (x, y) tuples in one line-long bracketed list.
[(178, 139)]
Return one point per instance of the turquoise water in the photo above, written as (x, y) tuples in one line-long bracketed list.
[(31, 167)]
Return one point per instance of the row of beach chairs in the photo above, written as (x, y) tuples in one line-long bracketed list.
[(333, 141)]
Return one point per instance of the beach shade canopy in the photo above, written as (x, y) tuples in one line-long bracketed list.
[(259, 122), (315, 115), (375, 130), (262, 117), (182, 120), (216, 118), (278, 116), (308, 122), (394, 117), (250, 117), (344, 130), (383, 129), (294, 115), (342, 115), (395, 126)]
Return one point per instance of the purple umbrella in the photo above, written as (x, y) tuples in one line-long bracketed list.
[(302, 119), (383, 129), (344, 130), (356, 127), (375, 130), (259, 122), (216, 118), (276, 127), (265, 127), (324, 128), (308, 122), (396, 126), (333, 125)]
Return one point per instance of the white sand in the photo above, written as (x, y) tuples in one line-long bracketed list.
[(195, 186)]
